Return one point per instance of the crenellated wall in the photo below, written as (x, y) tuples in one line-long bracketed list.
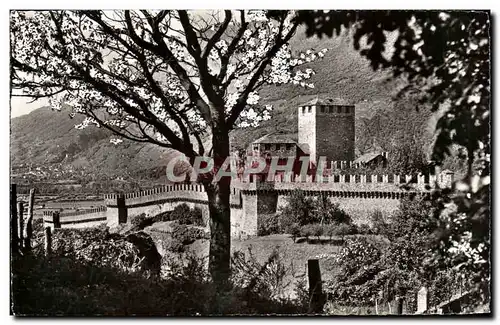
[(78, 219), (359, 195)]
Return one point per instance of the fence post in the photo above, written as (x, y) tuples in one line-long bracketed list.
[(316, 300), (56, 219), (399, 305), (20, 223), (422, 300), (48, 241), (14, 239), (29, 222)]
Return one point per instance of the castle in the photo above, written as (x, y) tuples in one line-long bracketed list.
[(325, 129)]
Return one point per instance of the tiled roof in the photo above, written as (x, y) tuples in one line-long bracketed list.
[(275, 138), (367, 157)]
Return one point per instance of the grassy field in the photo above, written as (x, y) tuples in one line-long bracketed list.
[(293, 256)]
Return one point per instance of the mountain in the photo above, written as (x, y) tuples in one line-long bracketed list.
[(46, 137)]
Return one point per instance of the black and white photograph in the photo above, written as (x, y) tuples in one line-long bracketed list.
[(250, 162)]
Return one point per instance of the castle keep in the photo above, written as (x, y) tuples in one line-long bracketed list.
[(327, 127)]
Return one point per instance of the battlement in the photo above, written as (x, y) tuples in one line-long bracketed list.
[(63, 214), (191, 192), (431, 181)]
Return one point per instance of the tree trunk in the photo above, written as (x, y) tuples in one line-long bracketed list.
[(220, 222)]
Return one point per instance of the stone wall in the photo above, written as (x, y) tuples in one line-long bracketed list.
[(307, 129), (335, 134), (80, 219), (359, 195)]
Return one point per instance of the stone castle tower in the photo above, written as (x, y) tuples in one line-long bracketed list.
[(327, 127)]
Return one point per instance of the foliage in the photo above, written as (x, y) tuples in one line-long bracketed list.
[(294, 230), (343, 229), (187, 216), (97, 246), (141, 221), (364, 229), (269, 224), (64, 286), (298, 209), (445, 58), (357, 262), (187, 234), (307, 230), (330, 230), (316, 230), (327, 212), (267, 279), (378, 223)]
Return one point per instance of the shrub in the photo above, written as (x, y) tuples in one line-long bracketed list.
[(306, 231), (316, 230), (197, 217), (268, 224), (327, 212), (379, 225), (141, 221), (329, 230), (342, 230), (187, 234), (182, 213), (187, 216), (364, 229), (294, 230), (162, 217), (299, 208), (99, 247)]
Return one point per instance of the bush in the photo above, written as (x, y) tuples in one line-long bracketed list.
[(197, 217), (379, 225), (141, 221), (294, 230), (316, 230), (299, 208), (99, 247), (342, 230), (327, 212), (364, 229), (187, 216), (162, 217), (186, 234), (306, 231), (181, 213), (329, 230), (268, 224)]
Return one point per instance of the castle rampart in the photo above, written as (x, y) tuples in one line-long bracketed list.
[(250, 198)]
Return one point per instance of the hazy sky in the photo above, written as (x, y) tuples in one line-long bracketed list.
[(20, 106)]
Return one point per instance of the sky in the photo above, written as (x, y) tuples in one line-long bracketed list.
[(21, 106)]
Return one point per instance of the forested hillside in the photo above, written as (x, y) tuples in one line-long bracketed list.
[(47, 137)]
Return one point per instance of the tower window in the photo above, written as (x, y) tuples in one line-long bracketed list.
[(267, 146), (309, 109), (339, 109), (278, 147), (322, 109), (255, 147), (303, 109), (330, 109)]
